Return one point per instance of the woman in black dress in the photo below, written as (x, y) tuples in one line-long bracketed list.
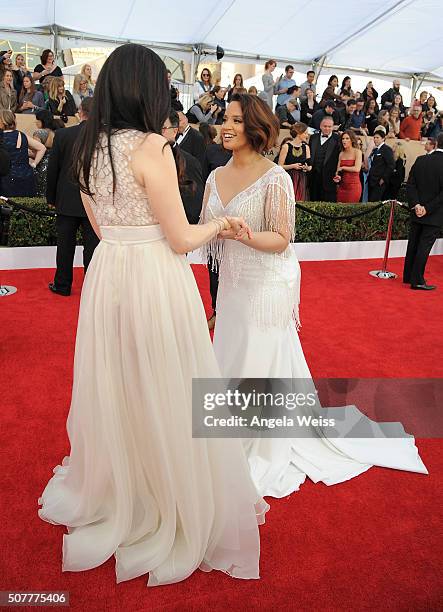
[(61, 103), (308, 107), (295, 158), (371, 115), (48, 67)]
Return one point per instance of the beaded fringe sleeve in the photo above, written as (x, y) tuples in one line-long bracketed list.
[(268, 205)]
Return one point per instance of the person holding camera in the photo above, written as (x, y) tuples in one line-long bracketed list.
[(205, 111)]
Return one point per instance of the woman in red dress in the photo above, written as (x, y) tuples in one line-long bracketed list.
[(348, 169)]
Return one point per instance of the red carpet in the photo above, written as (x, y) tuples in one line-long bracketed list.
[(371, 543)]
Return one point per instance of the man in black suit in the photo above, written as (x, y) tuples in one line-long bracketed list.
[(65, 195), (193, 189), (425, 198), (328, 111), (325, 149), (190, 139), (382, 165)]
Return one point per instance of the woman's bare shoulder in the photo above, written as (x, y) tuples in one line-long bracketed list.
[(153, 142)]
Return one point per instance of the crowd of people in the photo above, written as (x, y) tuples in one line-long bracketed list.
[(340, 116), (351, 114), (362, 112), (136, 483), (42, 93)]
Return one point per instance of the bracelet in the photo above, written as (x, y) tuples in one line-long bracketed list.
[(220, 224)]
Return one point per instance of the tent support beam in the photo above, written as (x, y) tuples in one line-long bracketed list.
[(55, 44), (417, 82), (197, 52), (317, 66)]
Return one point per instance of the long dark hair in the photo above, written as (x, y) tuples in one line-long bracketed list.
[(23, 91), (352, 138), (208, 132), (44, 56), (132, 92), (47, 120)]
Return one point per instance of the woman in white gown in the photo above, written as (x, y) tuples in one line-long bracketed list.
[(136, 484), (257, 311)]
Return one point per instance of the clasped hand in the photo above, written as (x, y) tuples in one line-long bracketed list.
[(238, 229), (420, 211)]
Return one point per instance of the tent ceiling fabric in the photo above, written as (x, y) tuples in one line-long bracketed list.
[(385, 35)]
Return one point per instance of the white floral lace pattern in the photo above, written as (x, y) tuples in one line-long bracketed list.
[(128, 204)]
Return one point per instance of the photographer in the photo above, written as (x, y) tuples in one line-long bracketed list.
[(204, 111)]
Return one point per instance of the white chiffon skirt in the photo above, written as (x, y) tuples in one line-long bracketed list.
[(136, 484), (245, 349)]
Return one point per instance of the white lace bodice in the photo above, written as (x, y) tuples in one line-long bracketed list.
[(266, 205), (128, 205)]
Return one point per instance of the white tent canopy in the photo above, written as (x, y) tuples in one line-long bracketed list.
[(391, 37)]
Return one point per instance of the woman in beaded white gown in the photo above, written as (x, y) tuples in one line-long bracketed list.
[(136, 484), (257, 312)]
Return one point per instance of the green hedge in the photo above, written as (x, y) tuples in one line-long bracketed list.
[(27, 229), (309, 228)]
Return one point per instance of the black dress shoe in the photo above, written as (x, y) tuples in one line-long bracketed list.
[(424, 287), (54, 289)]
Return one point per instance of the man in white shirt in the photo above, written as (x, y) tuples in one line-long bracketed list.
[(325, 149), (190, 139)]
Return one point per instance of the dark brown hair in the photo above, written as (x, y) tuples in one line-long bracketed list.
[(23, 91), (208, 132), (262, 127), (241, 82), (353, 138), (141, 101), (44, 56), (210, 75), (297, 129)]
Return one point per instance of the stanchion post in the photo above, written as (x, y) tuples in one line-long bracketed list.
[(384, 273)]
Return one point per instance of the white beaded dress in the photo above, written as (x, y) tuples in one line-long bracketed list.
[(256, 336), (136, 484)]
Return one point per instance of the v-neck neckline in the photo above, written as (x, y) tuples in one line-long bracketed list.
[(225, 206)]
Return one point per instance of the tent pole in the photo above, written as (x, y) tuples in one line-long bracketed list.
[(419, 83), (317, 67), (414, 87), (54, 31), (193, 66)]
